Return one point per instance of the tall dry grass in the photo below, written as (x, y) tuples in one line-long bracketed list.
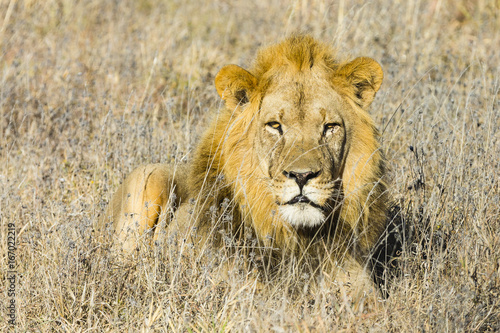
[(91, 89)]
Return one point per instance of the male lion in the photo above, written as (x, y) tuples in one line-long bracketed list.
[(294, 150)]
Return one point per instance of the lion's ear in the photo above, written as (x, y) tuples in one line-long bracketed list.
[(365, 76), (234, 85)]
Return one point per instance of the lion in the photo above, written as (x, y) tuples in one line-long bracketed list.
[(295, 151)]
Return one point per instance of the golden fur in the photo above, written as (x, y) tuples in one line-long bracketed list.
[(294, 150)]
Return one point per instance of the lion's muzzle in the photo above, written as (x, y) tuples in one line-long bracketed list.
[(299, 207)]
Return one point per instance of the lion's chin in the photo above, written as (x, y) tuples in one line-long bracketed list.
[(302, 215)]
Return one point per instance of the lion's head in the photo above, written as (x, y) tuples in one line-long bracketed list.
[(296, 144)]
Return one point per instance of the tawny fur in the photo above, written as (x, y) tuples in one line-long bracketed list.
[(242, 158)]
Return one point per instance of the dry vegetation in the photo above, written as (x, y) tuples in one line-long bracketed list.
[(91, 89)]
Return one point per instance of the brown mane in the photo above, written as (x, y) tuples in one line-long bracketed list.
[(226, 149)]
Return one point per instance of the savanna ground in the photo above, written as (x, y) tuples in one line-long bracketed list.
[(91, 89)]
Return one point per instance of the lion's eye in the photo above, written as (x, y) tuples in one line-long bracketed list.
[(331, 128), (275, 125)]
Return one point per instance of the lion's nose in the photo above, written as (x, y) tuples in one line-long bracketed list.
[(301, 178)]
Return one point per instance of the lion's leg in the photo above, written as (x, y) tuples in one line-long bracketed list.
[(135, 207)]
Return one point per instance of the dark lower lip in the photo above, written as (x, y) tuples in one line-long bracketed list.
[(303, 199)]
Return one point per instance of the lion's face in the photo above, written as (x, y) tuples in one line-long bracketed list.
[(301, 117), (301, 142)]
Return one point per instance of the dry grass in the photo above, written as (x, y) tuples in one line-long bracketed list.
[(91, 89)]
